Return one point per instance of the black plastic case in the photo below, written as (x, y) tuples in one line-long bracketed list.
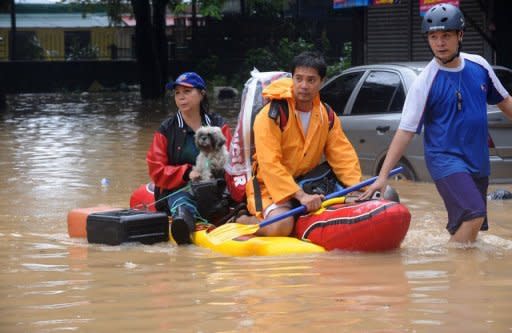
[(127, 225)]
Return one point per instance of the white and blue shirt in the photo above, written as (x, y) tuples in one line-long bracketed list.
[(455, 136)]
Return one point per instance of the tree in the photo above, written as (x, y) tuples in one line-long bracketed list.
[(151, 40), (151, 46)]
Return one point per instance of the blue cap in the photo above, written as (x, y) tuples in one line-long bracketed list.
[(188, 79)]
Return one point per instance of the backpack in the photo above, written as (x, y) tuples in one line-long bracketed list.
[(241, 150)]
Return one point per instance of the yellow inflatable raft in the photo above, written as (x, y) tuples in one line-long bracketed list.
[(250, 245)]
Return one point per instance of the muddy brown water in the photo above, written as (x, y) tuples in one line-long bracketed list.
[(55, 149)]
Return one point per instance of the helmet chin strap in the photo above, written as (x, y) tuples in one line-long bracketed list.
[(455, 55), (449, 60)]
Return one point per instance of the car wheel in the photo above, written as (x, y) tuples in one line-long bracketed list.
[(407, 172)]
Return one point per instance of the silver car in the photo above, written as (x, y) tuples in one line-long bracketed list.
[(369, 101)]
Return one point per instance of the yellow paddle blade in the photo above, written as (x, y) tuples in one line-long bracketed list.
[(230, 231)]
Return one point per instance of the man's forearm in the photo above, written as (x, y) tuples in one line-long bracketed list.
[(396, 150)]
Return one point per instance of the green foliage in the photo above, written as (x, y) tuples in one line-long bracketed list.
[(346, 58), (28, 46), (268, 59), (261, 58), (208, 65), (218, 80), (343, 63), (77, 52), (211, 8), (324, 41), (179, 8), (115, 8), (266, 8), (206, 8), (280, 57), (286, 50), (334, 69), (347, 55)]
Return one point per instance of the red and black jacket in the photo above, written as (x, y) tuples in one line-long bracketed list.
[(168, 166)]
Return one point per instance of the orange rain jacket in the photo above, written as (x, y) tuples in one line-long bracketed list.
[(284, 154)]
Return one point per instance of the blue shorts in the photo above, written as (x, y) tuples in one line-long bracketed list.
[(465, 198)]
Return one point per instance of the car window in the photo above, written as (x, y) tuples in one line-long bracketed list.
[(338, 91), (505, 79), (397, 101), (381, 92)]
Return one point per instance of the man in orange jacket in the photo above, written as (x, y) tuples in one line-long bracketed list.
[(284, 153)]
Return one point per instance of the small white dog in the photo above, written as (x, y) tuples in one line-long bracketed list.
[(213, 154)]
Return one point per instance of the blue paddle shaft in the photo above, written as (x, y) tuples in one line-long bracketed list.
[(303, 209)]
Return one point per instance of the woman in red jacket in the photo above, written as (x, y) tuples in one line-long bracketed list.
[(173, 153)]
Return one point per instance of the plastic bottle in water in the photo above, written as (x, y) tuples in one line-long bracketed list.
[(105, 182)]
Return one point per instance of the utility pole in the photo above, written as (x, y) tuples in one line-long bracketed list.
[(12, 39)]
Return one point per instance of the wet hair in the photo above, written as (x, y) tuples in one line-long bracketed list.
[(310, 59)]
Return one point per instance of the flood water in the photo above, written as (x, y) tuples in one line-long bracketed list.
[(56, 149)]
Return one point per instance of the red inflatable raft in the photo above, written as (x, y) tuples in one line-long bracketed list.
[(374, 225)]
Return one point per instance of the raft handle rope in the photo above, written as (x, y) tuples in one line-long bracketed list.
[(144, 206)]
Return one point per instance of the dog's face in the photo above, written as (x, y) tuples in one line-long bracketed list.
[(209, 138)]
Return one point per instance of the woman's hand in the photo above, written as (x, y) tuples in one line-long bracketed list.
[(194, 175)]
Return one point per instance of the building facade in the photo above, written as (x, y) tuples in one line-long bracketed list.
[(393, 32)]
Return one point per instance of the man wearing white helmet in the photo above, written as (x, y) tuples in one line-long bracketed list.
[(449, 100)]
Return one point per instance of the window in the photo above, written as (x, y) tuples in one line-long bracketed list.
[(28, 46), (338, 91), (381, 92), (77, 45)]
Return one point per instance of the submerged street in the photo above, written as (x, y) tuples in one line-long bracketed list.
[(63, 151)]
